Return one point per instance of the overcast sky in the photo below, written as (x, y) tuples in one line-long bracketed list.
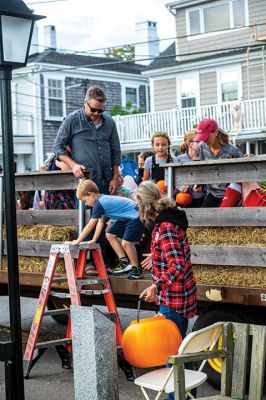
[(92, 24)]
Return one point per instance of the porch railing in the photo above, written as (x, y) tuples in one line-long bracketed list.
[(245, 116)]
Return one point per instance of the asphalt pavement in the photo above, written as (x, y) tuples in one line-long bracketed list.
[(48, 381)]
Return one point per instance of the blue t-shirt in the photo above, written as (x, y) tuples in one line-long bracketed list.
[(114, 207)]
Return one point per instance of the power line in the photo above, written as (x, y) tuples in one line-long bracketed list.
[(161, 57)]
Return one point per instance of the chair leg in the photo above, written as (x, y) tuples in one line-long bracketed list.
[(144, 393), (159, 395), (190, 395)]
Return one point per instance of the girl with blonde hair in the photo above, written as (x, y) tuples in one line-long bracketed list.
[(190, 152), (173, 284)]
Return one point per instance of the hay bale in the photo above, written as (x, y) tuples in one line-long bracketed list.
[(46, 232), (35, 264), (227, 236), (230, 275)]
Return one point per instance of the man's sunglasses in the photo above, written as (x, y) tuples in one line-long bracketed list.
[(94, 110)]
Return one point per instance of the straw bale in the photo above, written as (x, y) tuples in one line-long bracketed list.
[(230, 275), (227, 236), (46, 232), (35, 264)]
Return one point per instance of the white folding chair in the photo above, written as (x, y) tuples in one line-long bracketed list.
[(162, 380)]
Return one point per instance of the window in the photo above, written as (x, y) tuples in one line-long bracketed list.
[(194, 22), (229, 85), (217, 17), (55, 98), (188, 92), (131, 96)]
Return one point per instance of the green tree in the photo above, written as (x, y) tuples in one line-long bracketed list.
[(122, 53), (127, 110)]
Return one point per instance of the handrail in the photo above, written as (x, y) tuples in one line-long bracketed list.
[(218, 171)]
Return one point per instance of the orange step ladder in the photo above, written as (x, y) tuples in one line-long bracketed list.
[(75, 277)]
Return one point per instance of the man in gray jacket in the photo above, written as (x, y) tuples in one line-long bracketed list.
[(91, 136)]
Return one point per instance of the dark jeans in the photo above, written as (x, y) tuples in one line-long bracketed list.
[(211, 201)]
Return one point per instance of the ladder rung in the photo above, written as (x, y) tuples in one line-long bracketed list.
[(61, 295), (60, 279), (82, 282), (92, 292), (57, 312), (52, 343)]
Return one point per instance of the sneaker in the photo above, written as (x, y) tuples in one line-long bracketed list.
[(136, 273), (122, 267)]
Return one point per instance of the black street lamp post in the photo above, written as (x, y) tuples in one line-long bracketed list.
[(16, 27)]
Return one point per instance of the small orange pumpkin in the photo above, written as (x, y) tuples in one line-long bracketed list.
[(150, 341), (161, 185), (183, 199)]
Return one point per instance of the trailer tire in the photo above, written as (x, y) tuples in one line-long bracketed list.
[(55, 303), (209, 318)]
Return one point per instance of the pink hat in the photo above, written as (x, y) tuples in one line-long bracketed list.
[(204, 128)]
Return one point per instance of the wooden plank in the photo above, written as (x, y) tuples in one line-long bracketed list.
[(236, 216), (257, 362), (206, 255), (227, 362), (47, 217), (234, 294), (35, 248), (229, 255), (122, 286), (179, 382), (220, 171), (240, 359), (196, 217), (52, 180)]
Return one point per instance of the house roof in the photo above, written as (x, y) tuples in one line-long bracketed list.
[(167, 58), (102, 63)]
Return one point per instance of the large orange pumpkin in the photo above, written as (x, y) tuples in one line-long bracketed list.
[(150, 341), (183, 199), (161, 185)]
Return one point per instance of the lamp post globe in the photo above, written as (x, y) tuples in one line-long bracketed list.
[(16, 28)]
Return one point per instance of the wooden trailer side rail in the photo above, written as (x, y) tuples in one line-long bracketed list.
[(238, 170)]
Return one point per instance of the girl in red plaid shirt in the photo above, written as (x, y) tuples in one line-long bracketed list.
[(174, 285)]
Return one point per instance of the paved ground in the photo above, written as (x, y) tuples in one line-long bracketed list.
[(48, 380)]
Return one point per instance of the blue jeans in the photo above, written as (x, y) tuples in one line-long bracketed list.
[(182, 324), (180, 321)]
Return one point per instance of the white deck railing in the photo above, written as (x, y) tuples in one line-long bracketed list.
[(140, 127)]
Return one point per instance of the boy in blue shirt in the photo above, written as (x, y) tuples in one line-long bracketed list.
[(127, 227)]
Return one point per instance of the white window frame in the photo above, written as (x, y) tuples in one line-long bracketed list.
[(187, 75), (203, 34), (123, 94), (46, 96), (229, 68)]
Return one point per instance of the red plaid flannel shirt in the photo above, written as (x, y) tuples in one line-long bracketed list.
[(172, 270)]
